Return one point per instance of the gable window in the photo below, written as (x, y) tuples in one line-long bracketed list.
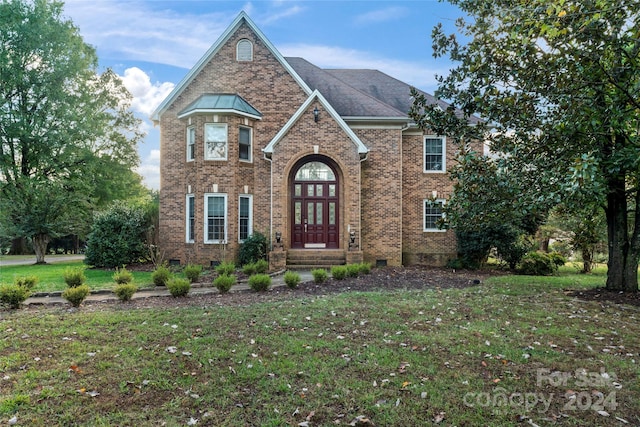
[(434, 154), (215, 141), (215, 225), (191, 143), (433, 214), (191, 218), (244, 50), (245, 218), (245, 143)]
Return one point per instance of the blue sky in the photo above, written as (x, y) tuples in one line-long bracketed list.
[(152, 44)]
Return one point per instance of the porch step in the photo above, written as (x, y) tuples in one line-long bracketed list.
[(314, 258)]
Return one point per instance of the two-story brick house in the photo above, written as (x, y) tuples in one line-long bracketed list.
[(324, 162)]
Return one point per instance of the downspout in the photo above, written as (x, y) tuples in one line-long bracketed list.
[(270, 160)]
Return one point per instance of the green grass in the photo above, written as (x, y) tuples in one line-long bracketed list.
[(393, 357), (51, 276)]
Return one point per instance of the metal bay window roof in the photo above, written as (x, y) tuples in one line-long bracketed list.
[(216, 103)]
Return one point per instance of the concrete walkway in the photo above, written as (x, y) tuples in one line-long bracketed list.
[(277, 280), (20, 260)]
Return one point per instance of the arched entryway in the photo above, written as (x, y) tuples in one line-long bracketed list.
[(315, 203)]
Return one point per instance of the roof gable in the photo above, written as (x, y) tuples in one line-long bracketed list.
[(224, 37), (316, 95)]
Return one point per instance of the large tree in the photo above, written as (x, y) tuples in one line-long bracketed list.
[(65, 128), (558, 85)]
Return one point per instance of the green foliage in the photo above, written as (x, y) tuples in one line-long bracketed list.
[(74, 277), (558, 259), (339, 272), (292, 279), (122, 276), (161, 275), (249, 269), (224, 282), (179, 287), (262, 266), (27, 282), (260, 282), (537, 264), (320, 275), (364, 268), (13, 295), (226, 267), (76, 295), (117, 237), (125, 291), (193, 272), (353, 270), (253, 249)]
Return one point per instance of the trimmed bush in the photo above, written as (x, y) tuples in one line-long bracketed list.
[(253, 249), (320, 275), (76, 294), (262, 266), (125, 291), (122, 276), (339, 272), (558, 259), (224, 282), (353, 270), (249, 269), (537, 264), (74, 277), (260, 282), (292, 279), (27, 282), (161, 275), (226, 267), (13, 295), (364, 267), (178, 287), (192, 272)]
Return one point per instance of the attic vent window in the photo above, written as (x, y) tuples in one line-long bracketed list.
[(244, 50)]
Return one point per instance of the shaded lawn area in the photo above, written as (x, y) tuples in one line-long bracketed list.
[(510, 350)]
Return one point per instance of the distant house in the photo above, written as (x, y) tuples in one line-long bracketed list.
[(324, 162)]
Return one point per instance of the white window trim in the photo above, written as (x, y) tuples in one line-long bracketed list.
[(226, 142), (424, 216), (250, 227), (206, 218), (424, 154), (250, 159), (191, 143), (187, 225)]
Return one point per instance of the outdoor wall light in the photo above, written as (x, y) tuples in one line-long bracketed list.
[(316, 114), (278, 237)]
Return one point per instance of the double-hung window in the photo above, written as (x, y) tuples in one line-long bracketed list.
[(244, 137), (215, 225), (245, 217), (191, 218), (191, 143), (433, 214), (435, 149), (215, 141)]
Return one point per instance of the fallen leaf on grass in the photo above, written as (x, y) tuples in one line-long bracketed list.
[(74, 368), (439, 418), (361, 421)]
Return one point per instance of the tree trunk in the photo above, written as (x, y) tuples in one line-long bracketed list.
[(622, 274), (587, 259), (40, 242)]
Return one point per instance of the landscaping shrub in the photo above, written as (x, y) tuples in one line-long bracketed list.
[(253, 249), (226, 267), (192, 272), (353, 270), (558, 259), (260, 282), (224, 282), (117, 237), (364, 267), (262, 266), (27, 282), (122, 276), (179, 287), (320, 275), (161, 275), (339, 272), (13, 295), (292, 279), (74, 277), (537, 264), (76, 294), (249, 269), (125, 291)]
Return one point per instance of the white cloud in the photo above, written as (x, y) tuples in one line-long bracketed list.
[(146, 95), (381, 15), (150, 170)]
